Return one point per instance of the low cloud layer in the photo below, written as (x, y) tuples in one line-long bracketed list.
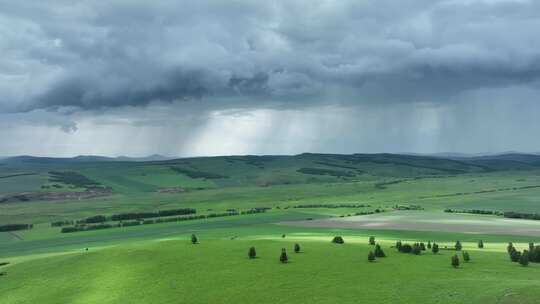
[(66, 63)]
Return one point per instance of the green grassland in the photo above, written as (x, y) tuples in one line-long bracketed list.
[(157, 264)]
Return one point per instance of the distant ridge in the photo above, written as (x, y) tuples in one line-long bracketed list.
[(514, 157), (82, 159)]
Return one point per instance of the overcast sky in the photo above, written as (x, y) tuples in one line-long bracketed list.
[(186, 78)]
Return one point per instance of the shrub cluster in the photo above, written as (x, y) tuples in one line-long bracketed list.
[(531, 255), (415, 248)]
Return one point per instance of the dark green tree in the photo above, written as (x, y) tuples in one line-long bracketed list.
[(429, 245), (338, 240), (515, 255), (531, 246), (480, 244), (296, 248), (455, 261), (372, 240), (466, 256), (510, 247), (406, 248), (458, 246), (416, 249), (379, 252), (252, 253), (524, 258), (398, 245), (371, 256), (194, 239), (534, 255), (422, 247), (283, 257), (435, 248)]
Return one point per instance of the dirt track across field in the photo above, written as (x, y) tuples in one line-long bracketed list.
[(428, 221)]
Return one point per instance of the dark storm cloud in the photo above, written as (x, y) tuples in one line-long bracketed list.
[(101, 54)]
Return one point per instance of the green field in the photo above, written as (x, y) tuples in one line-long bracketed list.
[(156, 263)]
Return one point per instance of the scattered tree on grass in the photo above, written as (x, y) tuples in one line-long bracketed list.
[(338, 240), (455, 261), (371, 256), (406, 248), (466, 256), (372, 240), (429, 245), (534, 255), (296, 248), (435, 248), (283, 257), (379, 252), (283, 235), (416, 249), (194, 239), (514, 255), (252, 253), (458, 246), (398, 245), (524, 258), (510, 247), (422, 247), (480, 244)]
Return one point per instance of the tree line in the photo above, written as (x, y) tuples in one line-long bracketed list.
[(506, 214), (85, 227), (15, 227)]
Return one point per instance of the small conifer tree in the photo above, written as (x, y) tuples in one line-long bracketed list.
[(296, 248), (398, 245), (480, 244), (435, 248), (429, 245), (422, 247), (466, 256), (455, 261), (524, 258), (458, 246), (194, 239), (252, 253), (372, 240), (283, 257), (379, 252), (371, 256)]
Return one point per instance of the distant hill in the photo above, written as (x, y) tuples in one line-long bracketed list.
[(81, 159)]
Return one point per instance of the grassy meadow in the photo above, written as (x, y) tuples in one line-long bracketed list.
[(307, 199)]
